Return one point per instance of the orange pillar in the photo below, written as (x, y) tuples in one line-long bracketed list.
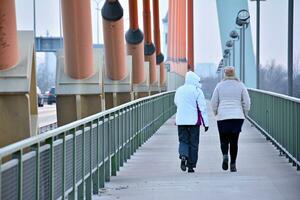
[(135, 46), (78, 42), (190, 35), (159, 55), (149, 47), (170, 30), (175, 29), (179, 18), (183, 31), (9, 53), (113, 34)]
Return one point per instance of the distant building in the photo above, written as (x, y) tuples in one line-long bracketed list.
[(165, 35), (206, 69)]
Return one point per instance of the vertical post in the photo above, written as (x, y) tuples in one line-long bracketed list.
[(290, 46), (135, 46), (159, 55), (60, 32), (77, 29), (9, 55), (34, 20), (190, 35), (149, 48), (113, 35), (98, 9), (233, 53), (170, 30), (258, 44), (243, 55)]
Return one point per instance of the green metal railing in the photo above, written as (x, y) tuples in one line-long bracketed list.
[(75, 160), (278, 118)]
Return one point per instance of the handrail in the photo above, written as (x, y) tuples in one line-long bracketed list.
[(277, 116), (52, 133), (77, 158), (297, 100)]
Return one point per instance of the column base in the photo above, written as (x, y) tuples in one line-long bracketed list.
[(15, 118), (113, 99), (74, 107)]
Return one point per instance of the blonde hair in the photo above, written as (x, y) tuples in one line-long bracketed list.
[(229, 71)]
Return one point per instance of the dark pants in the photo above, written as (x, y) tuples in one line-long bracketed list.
[(229, 131), (189, 143), (231, 139)]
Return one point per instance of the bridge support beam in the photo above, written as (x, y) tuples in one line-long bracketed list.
[(149, 48), (78, 72), (118, 70), (159, 55), (191, 35), (9, 52), (73, 107), (135, 48), (18, 98)]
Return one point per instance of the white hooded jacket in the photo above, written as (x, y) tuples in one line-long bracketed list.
[(188, 98)]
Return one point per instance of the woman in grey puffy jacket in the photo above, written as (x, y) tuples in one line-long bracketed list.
[(230, 103)]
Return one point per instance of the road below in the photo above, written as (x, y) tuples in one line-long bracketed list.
[(47, 115)]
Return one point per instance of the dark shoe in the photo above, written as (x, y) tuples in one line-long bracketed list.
[(225, 162), (232, 167), (183, 163), (191, 170)]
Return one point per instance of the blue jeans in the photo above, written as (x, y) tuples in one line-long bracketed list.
[(189, 143)]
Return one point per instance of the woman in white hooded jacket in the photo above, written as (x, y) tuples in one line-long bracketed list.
[(191, 113)]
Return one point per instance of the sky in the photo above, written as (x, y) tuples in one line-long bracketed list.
[(207, 40)]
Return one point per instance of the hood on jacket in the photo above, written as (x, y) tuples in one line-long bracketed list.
[(191, 78)]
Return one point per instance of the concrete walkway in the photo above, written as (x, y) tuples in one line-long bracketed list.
[(153, 173)]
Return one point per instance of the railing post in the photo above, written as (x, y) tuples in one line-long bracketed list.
[(51, 152), (18, 155), (74, 192), (95, 177), (102, 167), (36, 148), (0, 178), (64, 165)]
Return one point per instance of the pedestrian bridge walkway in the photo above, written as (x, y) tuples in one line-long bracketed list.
[(153, 172), (78, 160)]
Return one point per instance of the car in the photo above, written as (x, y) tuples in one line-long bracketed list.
[(51, 96), (39, 97)]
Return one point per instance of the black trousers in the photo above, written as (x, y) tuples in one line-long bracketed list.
[(229, 131), (189, 143), (229, 140)]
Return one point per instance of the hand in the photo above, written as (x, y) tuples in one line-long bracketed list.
[(206, 128)]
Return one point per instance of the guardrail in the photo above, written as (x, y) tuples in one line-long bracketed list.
[(47, 127), (277, 116), (75, 160)]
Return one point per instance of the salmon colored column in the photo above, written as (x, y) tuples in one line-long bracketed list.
[(78, 43), (135, 46), (175, 40), (113, 34), (179, 30), (9, 53), (183, 31), (149, 47), (170, 30), (159, 55), (190, 35)]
